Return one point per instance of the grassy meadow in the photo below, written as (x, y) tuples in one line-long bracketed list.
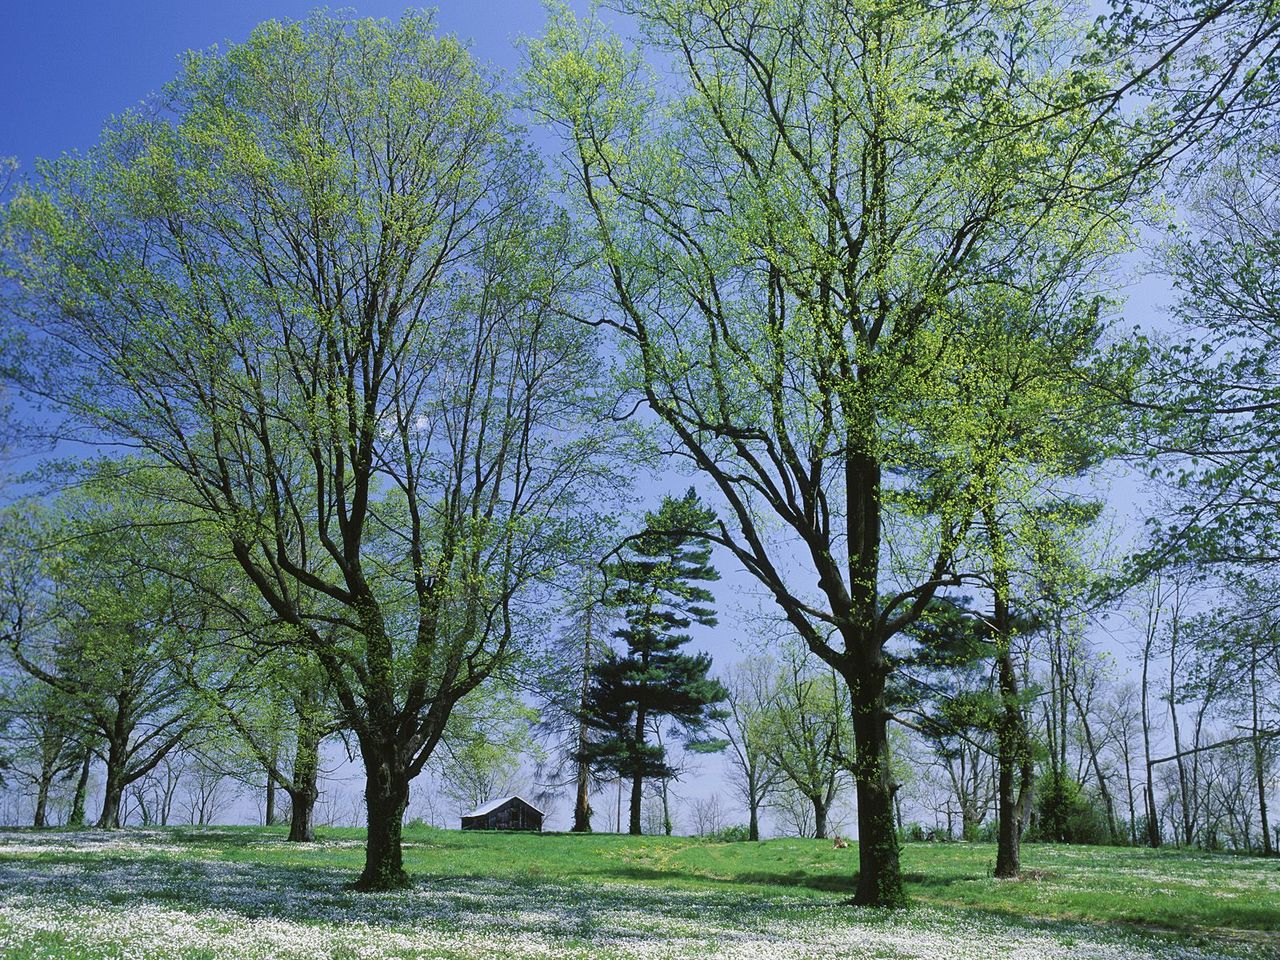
[(224, 893)]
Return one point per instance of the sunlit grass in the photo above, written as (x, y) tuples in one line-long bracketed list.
[(244, 892)]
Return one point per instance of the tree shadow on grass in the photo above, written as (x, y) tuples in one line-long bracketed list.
[(513, 906), (614, 901)]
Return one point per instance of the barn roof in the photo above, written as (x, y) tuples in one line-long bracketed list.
[(493, 805)]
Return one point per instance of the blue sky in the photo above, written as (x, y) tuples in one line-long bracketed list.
[(68, 65)]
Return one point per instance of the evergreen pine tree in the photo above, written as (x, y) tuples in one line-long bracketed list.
[(657, 585)]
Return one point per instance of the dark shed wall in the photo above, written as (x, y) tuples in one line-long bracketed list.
[(512, 815)]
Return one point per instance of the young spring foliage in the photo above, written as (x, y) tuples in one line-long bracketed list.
[(317, 280), (803, 220)]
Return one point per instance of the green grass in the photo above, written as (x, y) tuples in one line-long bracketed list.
[(1177, 889), (244, 892)]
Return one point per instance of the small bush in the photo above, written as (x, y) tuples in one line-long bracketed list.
[(1067, 814), (735, 834), (912, 833), (419, 826)]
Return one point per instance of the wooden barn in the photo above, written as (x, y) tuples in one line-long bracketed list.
[(505, 813)]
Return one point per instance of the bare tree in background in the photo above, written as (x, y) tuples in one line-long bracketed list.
[(806, 732), (753, 773), (708, 815)]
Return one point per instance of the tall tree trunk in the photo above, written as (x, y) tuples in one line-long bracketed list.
[(109, 819), (1063, 710), (40, 817), (168, 794), (269, 814), (819, 818), (52, 748), (1011, 735), (633, 820), (582, 803), (303, 785), (1149, 789), (1188, 829), (753, 819), (302, 805), (1259, 759), (1009, 831), (879, 873), (113, 789), (1208, 698), (1108, 803), (1055, 704), (1024, 807), (1126, 750), (386, 794), (77, 817), (582, 800), (637, 778)]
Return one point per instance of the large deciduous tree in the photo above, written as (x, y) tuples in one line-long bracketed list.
[(796, 218), (315, 278)]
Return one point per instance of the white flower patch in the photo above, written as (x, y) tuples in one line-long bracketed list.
[(1160, 871), (15, 843), (124, 901)]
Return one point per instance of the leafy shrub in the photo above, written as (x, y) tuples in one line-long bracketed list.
[(735, 834), (912, 833), (418, 825), (1066, 814)]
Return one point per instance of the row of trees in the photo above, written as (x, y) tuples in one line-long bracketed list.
[(853, 262), (97, 673), (785, 722), (1209, 711)]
